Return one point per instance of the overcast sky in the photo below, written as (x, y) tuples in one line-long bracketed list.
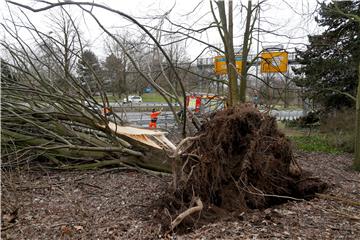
[(292, 20)]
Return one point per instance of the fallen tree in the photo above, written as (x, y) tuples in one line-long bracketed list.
[(82, 139), (239, 160), (45, 124), (50, 114)]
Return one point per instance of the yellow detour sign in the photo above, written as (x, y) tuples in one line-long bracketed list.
[(220, 64), (273, 62)]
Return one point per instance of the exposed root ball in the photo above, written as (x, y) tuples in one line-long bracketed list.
[(239, 161)]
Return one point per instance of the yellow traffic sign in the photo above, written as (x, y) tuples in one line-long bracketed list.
[(273, 62), (220, 64)]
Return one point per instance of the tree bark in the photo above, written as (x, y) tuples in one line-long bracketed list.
[(243, 81), (356, 162), (140, 155), (227, 39)]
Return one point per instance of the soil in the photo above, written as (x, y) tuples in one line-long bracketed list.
[(122, 204)]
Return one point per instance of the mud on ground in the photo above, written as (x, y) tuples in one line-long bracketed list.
[(118, 204)]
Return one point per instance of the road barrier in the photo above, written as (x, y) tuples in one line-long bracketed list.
[(143, 107)]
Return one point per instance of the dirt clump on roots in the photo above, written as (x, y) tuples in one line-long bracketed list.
[(238, 161)]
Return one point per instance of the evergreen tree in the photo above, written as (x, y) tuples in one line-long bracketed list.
[(329, 63), (114, 71), (89, 71)]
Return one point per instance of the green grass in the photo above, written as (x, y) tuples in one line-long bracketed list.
[(313, 143), (111, 98), (152, 97)]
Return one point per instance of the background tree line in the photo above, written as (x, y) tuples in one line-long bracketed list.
[(330, 73)]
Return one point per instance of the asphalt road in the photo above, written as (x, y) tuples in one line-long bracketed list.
[(166, 118), (154, 104)]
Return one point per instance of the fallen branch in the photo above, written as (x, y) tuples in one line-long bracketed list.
[(186, 213), (336, 198), (8, 227), (351, 217), (95, 165)]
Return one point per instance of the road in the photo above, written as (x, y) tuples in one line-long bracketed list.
[(147, 104), (166, 118)]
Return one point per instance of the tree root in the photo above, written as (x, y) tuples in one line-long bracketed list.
[(185, 140), (199, 206)]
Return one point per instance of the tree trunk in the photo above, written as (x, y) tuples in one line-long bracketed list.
[(86, 157), (356, 163), (286, 95), (243, 81), (232, 72), (227, 39), (232, 75)]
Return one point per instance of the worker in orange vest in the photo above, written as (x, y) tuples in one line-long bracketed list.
[(153, 118), (106, 111)]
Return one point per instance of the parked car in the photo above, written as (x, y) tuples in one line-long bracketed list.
[(133, 99)]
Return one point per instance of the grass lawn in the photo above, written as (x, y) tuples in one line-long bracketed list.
[(111, 98), (152, 97), (315, 142)]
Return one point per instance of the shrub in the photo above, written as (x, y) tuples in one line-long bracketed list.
[(342, 140), (339, 127)]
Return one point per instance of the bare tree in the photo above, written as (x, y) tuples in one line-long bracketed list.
[(249, 28), (223, 22), (43, 120), (225, 28)]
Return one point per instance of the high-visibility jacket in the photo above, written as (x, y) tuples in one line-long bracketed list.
[(154, 116), (105, 111)]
